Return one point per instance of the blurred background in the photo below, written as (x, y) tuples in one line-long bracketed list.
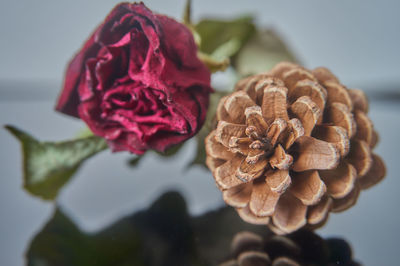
[(358, 40)]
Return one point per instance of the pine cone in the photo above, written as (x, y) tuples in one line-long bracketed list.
[(300, 248), (291, 145)]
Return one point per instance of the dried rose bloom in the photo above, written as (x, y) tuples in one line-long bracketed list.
[(292, 145)]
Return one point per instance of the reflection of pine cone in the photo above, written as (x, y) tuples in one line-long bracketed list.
[(300, 248), (292, 145)]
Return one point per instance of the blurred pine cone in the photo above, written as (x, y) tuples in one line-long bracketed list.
[(300, 248), (291, 145)]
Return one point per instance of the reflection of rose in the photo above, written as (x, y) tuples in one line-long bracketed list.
[(137, 81)]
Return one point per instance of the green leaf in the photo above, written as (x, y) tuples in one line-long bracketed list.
[(47, 166), (222, 39), (264, 50), (209, 124)]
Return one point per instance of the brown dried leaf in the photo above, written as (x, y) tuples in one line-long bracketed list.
[(278, 180), (238, 196), (375, 174), (249, 217), (263, 200), (307, 112), (274, 103), (314, 154), (290, 213), (340, 115), (360, 156), (333, 134), (339, 181), (318, 213)]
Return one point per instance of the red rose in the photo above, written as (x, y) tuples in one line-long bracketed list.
[(137, 81)]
